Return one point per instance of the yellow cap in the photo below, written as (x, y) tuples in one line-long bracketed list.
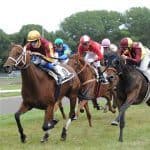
[(33, 35)]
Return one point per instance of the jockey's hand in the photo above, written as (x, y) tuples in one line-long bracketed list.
[(124, 57), (63, 57), (40, 55)]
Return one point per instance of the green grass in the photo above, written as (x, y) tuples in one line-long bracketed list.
[(102, 136)]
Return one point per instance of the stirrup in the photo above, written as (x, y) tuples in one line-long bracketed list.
[(69, 76)]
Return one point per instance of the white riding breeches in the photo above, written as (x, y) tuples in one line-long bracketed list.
[(144, 65), (91, 57)]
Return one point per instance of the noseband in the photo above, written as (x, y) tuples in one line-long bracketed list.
[(21, 59)]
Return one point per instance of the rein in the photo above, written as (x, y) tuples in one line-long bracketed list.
[(22, 58), (82, 68), (88, 81)]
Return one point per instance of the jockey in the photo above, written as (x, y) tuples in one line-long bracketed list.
[(136, 54), (110, 50), (93, 52), (40, 45), (108, 46), (61, 50)]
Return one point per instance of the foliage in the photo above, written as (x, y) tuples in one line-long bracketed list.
[(97, 24)]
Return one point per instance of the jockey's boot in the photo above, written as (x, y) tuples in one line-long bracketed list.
[(101, 76), (59, 76)]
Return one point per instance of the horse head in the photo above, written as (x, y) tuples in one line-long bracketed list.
[(77, 62), (116, 62), (17, 58)]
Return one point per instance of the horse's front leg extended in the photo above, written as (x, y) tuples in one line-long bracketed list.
[(109, 99), (71, 117), (21, 110), (122, 125), (49, 123), (86, 106)]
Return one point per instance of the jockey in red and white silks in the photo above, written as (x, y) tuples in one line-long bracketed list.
[(93, 53)]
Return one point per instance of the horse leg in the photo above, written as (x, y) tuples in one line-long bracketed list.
[(95, 104), (49, 122), (73, 100), (59, 105), (109, 99), (21, 110), (148, 102), (122, 125), (86, 106), (121, 119), (62, 110), (82, 103)]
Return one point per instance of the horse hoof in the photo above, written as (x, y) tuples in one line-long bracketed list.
[(114, 123), (81, 110), (23, 139), (45, 138), (63, 139), (55, 121), (75, 118), (105, 111), (120, 140), (63, 134)]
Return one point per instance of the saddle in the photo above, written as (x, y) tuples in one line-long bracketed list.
[(60, 71), (63, 72)]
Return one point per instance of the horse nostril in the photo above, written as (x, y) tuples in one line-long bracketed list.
[(110, 78), (7, 69)]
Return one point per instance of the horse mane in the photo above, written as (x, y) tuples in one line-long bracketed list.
[(82, 61)]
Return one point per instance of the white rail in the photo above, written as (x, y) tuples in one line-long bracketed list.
[(9, 91)]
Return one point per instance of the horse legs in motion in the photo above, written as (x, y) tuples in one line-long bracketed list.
[(38, 90), (23, 109), (73, 99), (60, 106), (84, 104)]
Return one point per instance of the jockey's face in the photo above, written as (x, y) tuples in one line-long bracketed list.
[(59, 47), (124, 48), (106, 49), (85, 44), (35, 44)]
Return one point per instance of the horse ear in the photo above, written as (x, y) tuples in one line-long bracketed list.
[(12, 44), (24, 42)]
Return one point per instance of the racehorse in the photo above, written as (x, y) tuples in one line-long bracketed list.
[(89, 86), (39, 90), (132, 88)]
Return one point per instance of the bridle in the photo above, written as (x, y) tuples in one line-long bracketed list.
[(21, 59), (82, 69)]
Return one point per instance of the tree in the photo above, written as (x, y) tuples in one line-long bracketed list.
[(97, 24), (139, 21)]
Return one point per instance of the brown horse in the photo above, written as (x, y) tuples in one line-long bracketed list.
[(90, 89), (38, 90), (132, 88)]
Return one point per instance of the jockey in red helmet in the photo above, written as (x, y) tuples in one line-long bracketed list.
[(130, 51), (136, 54), (94, 53)]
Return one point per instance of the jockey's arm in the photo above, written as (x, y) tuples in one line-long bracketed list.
[(137, 58), (50, 53)]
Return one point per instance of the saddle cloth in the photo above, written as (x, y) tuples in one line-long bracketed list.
[(65, 74)]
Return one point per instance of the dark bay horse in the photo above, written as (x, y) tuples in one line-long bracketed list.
[(132, 88), (38, 90), (89, 84)]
